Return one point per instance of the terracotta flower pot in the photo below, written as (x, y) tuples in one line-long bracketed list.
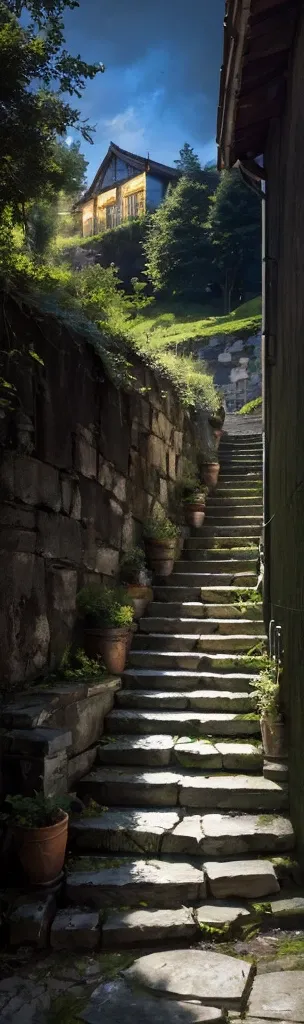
[(179, 546), (132, 630), (161, 555), (194, 512), (217, 437), (41, 851), (111, 645), (210, 473), (273, 738), (140, 597)]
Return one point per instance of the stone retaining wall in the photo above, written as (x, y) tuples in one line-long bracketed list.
[(82, 464)]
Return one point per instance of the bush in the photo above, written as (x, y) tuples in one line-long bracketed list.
[(266, 691), (104, 606), (133, 565), (250, 406), (36, 811), (158, 527)]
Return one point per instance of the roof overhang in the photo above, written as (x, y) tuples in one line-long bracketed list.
[(258, 36)]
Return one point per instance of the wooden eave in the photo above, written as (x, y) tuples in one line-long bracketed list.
[(258, 36)]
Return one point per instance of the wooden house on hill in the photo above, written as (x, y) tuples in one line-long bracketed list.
[(125, 186)]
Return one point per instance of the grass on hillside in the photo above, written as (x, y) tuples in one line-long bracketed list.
[(163, 326)]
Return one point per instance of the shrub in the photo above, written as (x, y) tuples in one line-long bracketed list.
[(256, 403), (104, 606), (266, 691), (36, 811), (133, 565), (158, 527)]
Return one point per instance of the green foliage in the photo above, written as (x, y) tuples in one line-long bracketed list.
[(75, 664), (266, 690), (36, 811), (235, 233), (256, 403), (188, 163), (37, 76), (108, 607), (132, 564), (177, 245), (158, 527)]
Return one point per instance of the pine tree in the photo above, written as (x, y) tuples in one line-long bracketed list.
[(177, 247), (235, 234)]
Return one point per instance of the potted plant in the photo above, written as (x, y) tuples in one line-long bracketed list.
[(107, 613), (40, 831), (194, 506), (160, 536), (266, 692), (134, 573), (210, 465)]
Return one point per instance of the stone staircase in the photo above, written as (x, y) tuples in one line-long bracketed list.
[(192, 822)]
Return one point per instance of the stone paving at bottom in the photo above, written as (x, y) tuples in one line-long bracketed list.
[(261, 978)]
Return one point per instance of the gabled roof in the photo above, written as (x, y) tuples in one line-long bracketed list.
[(258, 36), (140, 164)]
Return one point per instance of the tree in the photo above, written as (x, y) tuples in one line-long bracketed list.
[(177, 246), (235, 234), (188, 162), (36, 75)]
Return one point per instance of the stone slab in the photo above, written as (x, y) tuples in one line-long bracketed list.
[(127, 788), (39, 741), (112, 1004), (132, 831), (278, 996), (230, 834), (232, 792), (30, 921), (141, 750), (194, 974), (275, 771), (220, 915), (124, 928), (185, 837), (160, 883), (289, 911), (237, 756), (189, 753), (75, 929), (247, 879)]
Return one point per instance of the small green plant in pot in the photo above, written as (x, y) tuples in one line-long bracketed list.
[(107, 614), (134, 573), (195, 505), (266, 693), (160, 536), (40, 829), (210, 465)]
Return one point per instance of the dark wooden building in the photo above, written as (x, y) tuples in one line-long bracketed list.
[(261, 125)]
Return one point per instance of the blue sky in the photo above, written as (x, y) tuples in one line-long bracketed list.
[(160, 88)]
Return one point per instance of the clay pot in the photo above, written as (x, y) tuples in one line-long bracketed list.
[(179, 546), (194, 512), (133, 629), (41, 851), (217, 437), (273, 738), (140, 597), (110, 645), (210, 473), (161, 555)]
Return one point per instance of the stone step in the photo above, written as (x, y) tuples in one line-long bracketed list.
[(148, 929), (204, 579), (164, 750), (225, 542), (245, 879), (195, 661), (213, 519), (182, 723), (254, 491), (196, 609), (233, 510), (200, 626), (211, 642), (175, 593), (168, 788), (222, 593), (226, 565), (226, 530), (174, 832), (234, 500), (177, 680), (195, 562), (194, 700), (159, 883)]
